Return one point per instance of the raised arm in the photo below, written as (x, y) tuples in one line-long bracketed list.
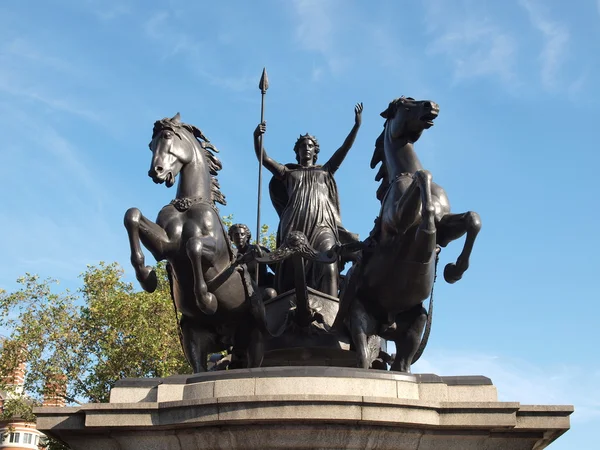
[(270, 164), (338, 157)]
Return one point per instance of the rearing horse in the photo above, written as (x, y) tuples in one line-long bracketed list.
[(405, 121), (212, 296), (385, 291)]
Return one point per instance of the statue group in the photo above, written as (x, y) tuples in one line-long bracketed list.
[(292, 305)]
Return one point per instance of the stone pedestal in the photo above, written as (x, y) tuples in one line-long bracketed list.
[(305, 407)]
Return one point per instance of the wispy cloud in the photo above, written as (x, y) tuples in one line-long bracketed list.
[(57, 161), (317, 73), (556, 41), (21, 66), (575, 88), (154, 25), (59, 213), (523, 381), (105, 11), (179, 43), (54, 103), (68, 158), (475, 45), (22, 49), (316, 31), (232, 83)]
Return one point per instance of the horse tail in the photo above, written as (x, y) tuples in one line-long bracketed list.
[(427, 330)]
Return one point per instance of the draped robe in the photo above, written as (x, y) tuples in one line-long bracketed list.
[(306, 199)]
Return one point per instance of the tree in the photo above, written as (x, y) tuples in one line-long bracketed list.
[(87, 340), (105, 333), (267, 239), (102, 333)]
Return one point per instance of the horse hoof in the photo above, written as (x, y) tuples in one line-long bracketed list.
[(386, 329), (147, 279), (451, 273), (402, 368), (209, 306)]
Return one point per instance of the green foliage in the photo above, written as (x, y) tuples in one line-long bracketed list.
[(267, 239), (227, 220), (55, 445), (134, 334), (105, 333), (20, 407)]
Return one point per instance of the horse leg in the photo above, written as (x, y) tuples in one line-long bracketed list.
[(409, 328), (425, 238), (404, 212), (154, 239), (359, 330), (256, 348), (248, 345), (206, 301), (451, 227), (196, 343)]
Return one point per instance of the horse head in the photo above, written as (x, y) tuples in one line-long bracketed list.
[(407, 117), (178, 147), (405, 121), (174, 144)]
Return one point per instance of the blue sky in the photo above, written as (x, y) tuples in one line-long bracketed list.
[(81, 83)]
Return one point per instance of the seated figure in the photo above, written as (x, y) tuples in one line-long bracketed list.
[(241, 237)]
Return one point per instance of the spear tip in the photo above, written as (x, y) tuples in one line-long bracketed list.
[(264, 81)]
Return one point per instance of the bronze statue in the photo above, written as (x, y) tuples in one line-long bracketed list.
[(224, 305), (218, 305), (306, 199), (241, 237), (385, 292)]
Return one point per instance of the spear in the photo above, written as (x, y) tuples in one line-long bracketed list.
[(263, 85)]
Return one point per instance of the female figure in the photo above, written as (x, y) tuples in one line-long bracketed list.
[(306, 199)]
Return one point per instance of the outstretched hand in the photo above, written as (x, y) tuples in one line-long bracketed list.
[(358, 113)]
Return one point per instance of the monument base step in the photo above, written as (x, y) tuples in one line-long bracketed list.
[(308, 408)]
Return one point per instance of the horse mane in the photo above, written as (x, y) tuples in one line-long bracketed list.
[(379, 154), (382, 174), (214, 164)]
